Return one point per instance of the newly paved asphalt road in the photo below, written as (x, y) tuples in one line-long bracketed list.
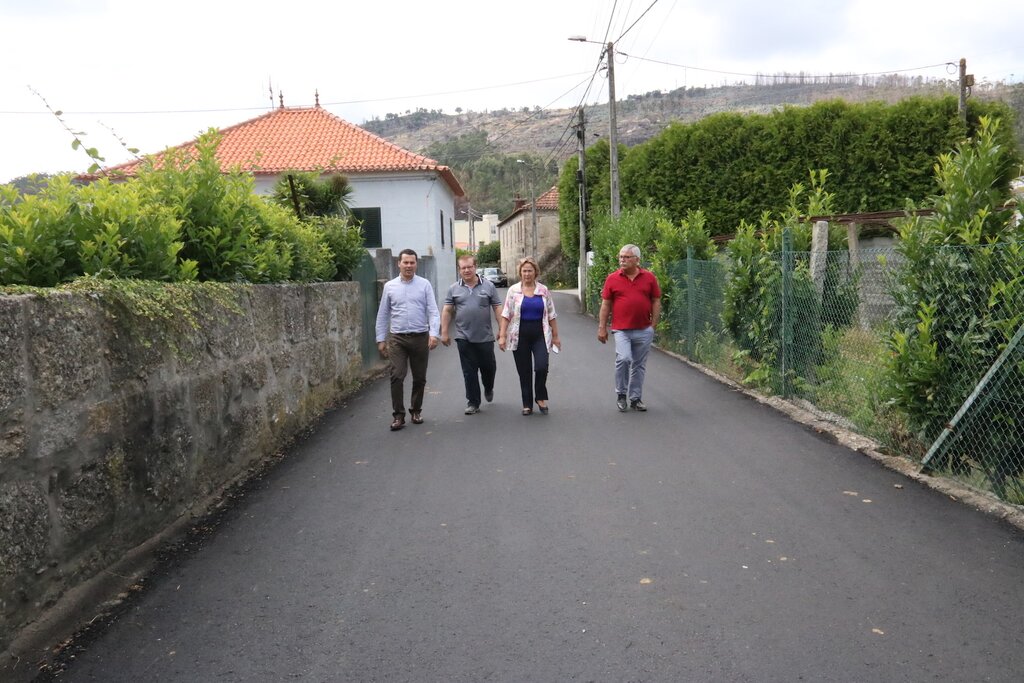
[(710, 539)]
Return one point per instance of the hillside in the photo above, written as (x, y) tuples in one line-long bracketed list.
[(541, 131), (485, 148)]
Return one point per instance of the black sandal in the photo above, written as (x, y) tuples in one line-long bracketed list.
[(542, 408)]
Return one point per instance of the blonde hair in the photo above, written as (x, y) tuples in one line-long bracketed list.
[(523, 262)]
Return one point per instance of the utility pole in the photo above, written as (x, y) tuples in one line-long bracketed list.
[(533, 200), (613, 135), (966, 83), (581, 183), (472, 234), (533, 203)]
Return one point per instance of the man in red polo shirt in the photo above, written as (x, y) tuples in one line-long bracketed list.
[(633, 297)]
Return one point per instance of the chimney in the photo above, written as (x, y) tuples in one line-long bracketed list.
[(517, 203)]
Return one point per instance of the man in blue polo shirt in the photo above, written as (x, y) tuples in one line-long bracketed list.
[(471, 301), (633, 298)]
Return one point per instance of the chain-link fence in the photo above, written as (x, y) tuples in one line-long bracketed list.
[(920, 351)]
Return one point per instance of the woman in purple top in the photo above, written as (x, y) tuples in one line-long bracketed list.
[(529, 329)]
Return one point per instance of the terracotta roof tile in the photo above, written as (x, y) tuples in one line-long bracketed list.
[(546, 202), (549, 200), (311, 139)]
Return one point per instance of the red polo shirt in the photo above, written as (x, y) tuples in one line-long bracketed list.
[(631, 299)]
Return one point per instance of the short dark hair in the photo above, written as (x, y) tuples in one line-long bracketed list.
[(410, 252)]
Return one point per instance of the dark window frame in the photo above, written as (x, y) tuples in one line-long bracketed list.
[(370, 220)]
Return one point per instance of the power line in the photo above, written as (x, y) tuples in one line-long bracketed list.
[(637, 20), (759, 75), (327, 104)]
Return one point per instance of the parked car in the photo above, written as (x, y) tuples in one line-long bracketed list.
[(496, 276)]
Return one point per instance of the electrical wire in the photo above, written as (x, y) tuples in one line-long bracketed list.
[(760, 75), (326, 104), (637, 21)]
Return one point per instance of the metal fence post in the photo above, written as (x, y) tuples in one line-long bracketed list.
[(986, 385), (691, 304), (786, 352)]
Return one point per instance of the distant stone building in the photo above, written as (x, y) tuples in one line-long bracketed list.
[(516, 232)]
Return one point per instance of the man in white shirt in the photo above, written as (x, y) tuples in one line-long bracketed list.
[(408, 325)]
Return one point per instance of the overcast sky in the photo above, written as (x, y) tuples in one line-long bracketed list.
[(156, 73)]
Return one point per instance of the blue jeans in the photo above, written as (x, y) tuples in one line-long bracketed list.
[(631, 348)]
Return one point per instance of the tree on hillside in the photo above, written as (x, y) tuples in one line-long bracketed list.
[(491, 179)]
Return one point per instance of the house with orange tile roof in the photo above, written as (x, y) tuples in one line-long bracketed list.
[(516, 232), (404, 199)]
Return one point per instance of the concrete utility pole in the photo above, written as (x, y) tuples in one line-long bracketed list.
[(966, 83), (581, 183), (533, 201), (472, 234), (613, 135), (533, 204)]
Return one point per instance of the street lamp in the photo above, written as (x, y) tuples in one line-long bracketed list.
[(533, 204), (613, 136)]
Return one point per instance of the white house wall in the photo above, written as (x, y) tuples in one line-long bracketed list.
[(410, 216)]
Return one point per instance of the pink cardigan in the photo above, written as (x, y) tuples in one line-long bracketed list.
[(511, 312)]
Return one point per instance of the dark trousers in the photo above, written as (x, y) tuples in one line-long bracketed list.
[(531, 356), (407, 351), (477, 358)]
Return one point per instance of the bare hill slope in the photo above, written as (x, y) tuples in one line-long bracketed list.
[(546, 131)]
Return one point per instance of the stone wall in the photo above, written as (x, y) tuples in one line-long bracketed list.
[(119, 415)]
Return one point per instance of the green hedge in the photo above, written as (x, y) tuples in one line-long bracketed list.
[(734, 167)]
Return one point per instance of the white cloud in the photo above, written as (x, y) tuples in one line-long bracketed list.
[(373, 58)]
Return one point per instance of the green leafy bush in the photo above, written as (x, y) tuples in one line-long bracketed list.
[(180, 219), (489, 254), (959, 299), (345, 240)]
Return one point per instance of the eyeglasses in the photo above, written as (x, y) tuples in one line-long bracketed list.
[(622, 256)]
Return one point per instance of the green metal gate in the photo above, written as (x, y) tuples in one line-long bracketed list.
[(366, 275)]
